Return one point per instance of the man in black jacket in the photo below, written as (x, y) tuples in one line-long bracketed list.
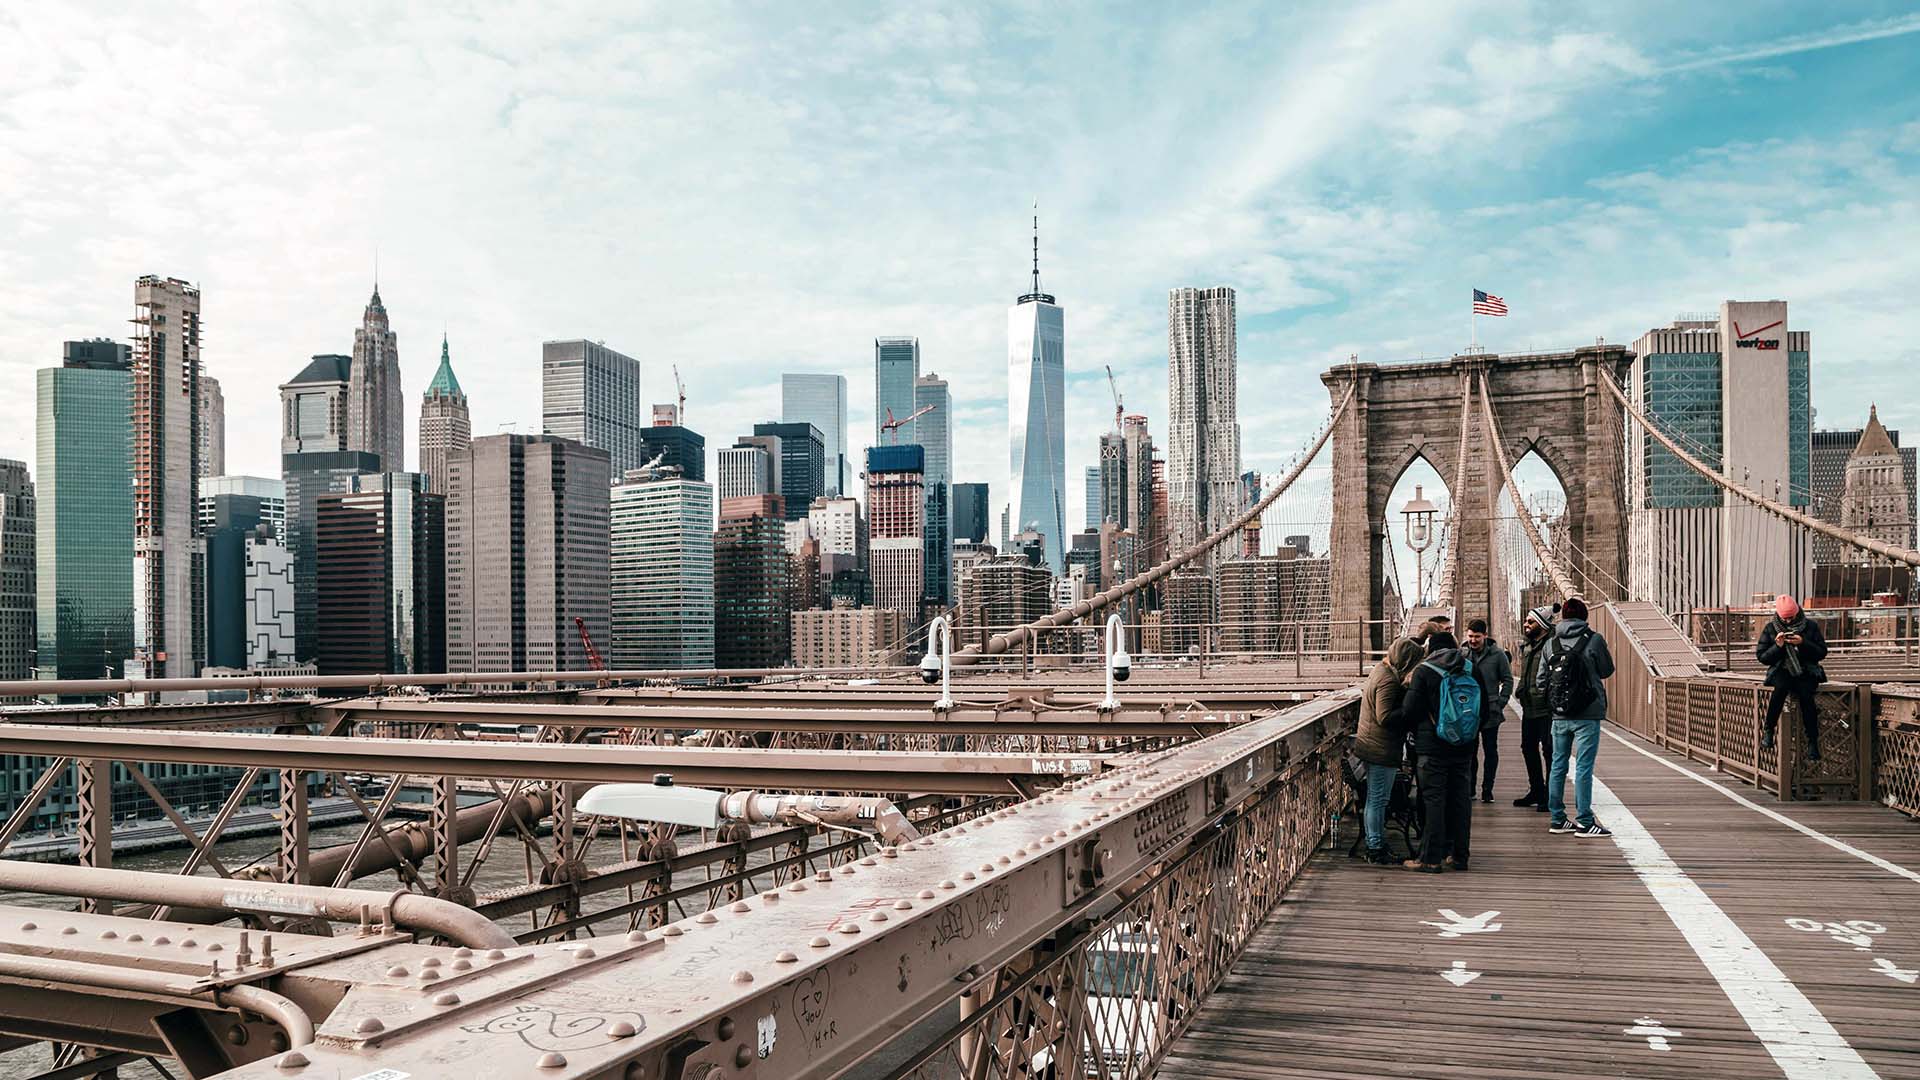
[(1792, 647), (1494, 669), (1446, 769), (1536, 712)]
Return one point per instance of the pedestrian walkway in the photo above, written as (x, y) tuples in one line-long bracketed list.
[(1709, 937)]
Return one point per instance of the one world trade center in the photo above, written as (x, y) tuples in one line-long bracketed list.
[(1036, 413)]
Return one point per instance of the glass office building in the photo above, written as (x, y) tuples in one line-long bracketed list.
[(821, 400), (896, 368), (84, 528)]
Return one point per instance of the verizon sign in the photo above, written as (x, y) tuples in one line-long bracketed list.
[(1752, 339)]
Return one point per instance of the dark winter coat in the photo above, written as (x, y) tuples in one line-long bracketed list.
[(1567, 634), (1812, 650), (1533, 699), (1381, 732), (1494, 668), (1421, 706)]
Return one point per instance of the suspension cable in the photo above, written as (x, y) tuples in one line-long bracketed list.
[(1455, 499), (1561, 580), (1779, 510), (1000, 643)]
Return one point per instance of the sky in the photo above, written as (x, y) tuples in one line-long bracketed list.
[(742, 190)]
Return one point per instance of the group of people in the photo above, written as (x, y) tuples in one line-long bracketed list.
[(1440, 702)]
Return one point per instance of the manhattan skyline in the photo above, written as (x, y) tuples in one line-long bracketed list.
[(1773, 155)]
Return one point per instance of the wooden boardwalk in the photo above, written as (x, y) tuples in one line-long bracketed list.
[(1797, 958)]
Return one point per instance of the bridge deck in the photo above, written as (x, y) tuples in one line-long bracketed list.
[(1704, 918)]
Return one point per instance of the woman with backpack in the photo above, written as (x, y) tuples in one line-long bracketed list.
[(1792, 646), (1442, 708), (1379, 737)]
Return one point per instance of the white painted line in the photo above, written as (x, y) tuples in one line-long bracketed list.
[(1792, 1028), (1837, 845)]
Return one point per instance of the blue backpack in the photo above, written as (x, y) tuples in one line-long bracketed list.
[(1459, 719)]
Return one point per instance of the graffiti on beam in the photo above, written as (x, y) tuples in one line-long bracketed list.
[(811, 997), (984, 911), (543, 1028)]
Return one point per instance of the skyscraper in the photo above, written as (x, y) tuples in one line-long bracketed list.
[(662, 571), (251, 621), (383, 580), (272, 494), (934, 433), (83, 519), (802, 464), (821, 400), (896, 368), (1096, 512), (169, 586), (1037, 414), (17, 593), (1203, 427), (1832, 450), (970, 513), (527, 549), (444, 428), (376, 412), (1877, 503), (751, 627), (747, 469), (313, 406), (213, 427), (591, 394), (896, 520), (677, 446), (308, 477)]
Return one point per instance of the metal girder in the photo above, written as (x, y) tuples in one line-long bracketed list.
[(825, 770), (1174, 721), (209, 714), (809, 980)]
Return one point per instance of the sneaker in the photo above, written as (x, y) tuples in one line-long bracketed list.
[(1421, 867), (1766, 740), (1530, 799), (1486, 797), (1380, 857), (1595, 829), (1561, 826), (1456, 864)]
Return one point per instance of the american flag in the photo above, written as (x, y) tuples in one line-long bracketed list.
[(1485, 303)]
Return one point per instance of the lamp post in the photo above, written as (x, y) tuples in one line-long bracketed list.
[(1418, 515)]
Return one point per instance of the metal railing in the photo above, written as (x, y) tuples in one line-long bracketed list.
[(1717, 720), (1896, 747)]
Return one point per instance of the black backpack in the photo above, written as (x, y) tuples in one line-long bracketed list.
[(1569, 685)]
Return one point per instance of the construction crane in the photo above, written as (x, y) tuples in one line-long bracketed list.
[(680, 390), (594, 662), (1118, 410), (892, 426)]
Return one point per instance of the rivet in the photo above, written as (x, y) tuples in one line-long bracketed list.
[(495, 954), (216, 947), (725, 1028), (448, 998), (636, 936), (890, 853), (462, 952), (396, 972), (903, 905), (798, 886), (846, 869), (108, 935), (785, 956), (1020, 853), (292, 1059), (850, 928), (163, 940), (741, 978), (769, 897), (430, 962), (671, 931), (1003, 860), (925, 894), (878, 916), (948, 884), (552, 1060), (369, 1025), (869, 861), (130, 937), (461, 965), (986, 868), (740, 907), (185, 943), (823, 875), (584, 954), (31, 926), (819, 943), (966, 875), (429, 974), (621, 1030), (706, 918)]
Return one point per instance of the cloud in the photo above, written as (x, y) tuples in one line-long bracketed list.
[(1832, 37)]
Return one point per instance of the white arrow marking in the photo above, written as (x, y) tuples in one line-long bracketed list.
[(1652, 1030), (1894, 971), (1458, 925), (1458, 975)]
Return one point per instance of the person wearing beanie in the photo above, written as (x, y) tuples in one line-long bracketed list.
[(1572, 673), (1445, 769), (1792, 646), (1536, 715), (1494, 668)]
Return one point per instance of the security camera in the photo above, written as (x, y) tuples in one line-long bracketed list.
[(929, 668), (1121, 665)]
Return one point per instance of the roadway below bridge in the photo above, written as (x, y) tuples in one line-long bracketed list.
[(1716, 934)]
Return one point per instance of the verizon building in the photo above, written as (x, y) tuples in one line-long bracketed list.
[(1735, 391)]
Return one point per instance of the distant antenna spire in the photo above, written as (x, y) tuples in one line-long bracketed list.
[(1036, 245)]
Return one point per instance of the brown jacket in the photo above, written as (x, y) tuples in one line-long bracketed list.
[(1381, 732)]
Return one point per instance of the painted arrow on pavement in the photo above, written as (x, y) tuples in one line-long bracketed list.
[(1458, 925), (1458, 975)]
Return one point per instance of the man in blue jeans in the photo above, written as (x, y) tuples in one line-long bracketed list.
[(1578, 659)]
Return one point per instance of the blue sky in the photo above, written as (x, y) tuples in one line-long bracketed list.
[(746, 189)]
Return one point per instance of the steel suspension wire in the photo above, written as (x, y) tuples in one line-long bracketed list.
[(1562, 581), (1444, 594), (1000, 643), (1754, 498)]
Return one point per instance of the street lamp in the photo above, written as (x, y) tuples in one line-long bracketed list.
[(1418, 515)]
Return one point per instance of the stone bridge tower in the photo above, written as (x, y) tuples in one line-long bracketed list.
[(1549, 403)]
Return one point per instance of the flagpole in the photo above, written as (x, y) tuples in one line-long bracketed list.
[(1475, 316)]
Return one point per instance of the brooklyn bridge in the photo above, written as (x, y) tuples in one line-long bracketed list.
[(1053, 859)]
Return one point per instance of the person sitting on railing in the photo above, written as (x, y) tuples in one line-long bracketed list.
[(1792, 646), (1379, 737)]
